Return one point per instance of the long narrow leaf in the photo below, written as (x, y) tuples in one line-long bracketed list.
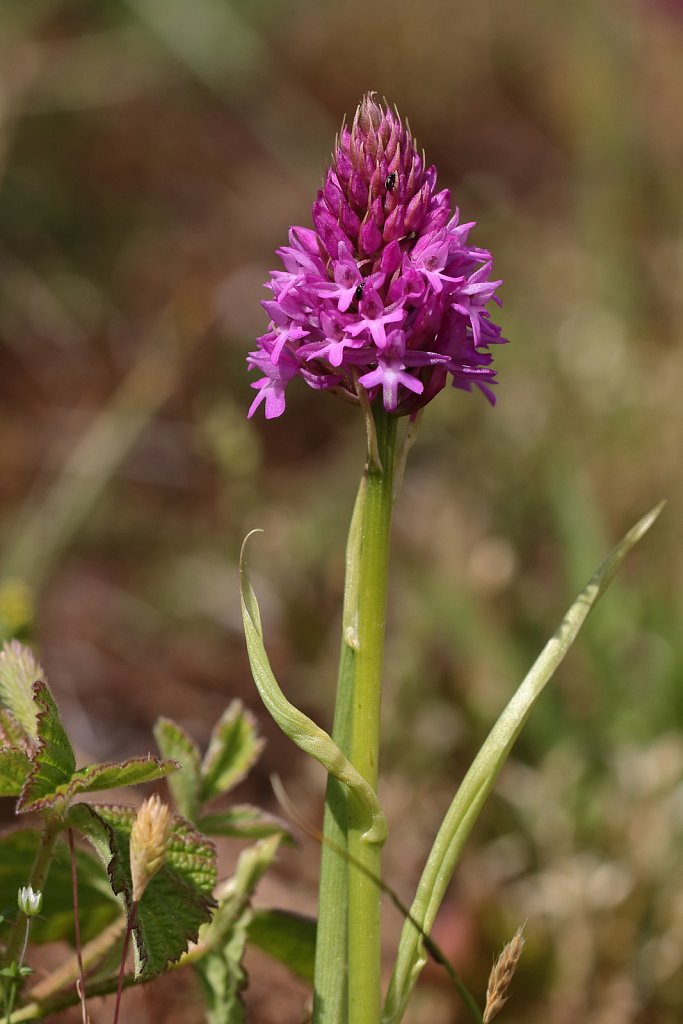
[(478, 782), (308, 736)]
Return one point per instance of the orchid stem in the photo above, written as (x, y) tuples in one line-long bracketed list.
[(364, 895), (330, 988)]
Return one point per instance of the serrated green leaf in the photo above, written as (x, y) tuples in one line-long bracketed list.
[(178, 899), (98, 907), (244, 822), (19, 670), (96, 777), (220, 971), (173, 742), (54, 780), (233, 748), (287, 937), (53, 762), (14, 769), (223, 978), (238, 890)]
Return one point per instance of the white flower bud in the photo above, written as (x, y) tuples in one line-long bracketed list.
[(30, 901)]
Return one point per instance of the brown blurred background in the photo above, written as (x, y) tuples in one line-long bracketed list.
[(152, 156)]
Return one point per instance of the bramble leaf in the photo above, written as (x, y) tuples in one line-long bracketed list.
[(177, 900), (54, 779), (174, 742), (14, 769), (223, 978), (220, 970), (233, 748), (53, 762), (96, 777)]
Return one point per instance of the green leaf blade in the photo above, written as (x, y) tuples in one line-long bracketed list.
[(15, 768), (174, 743), (220, 971), (233, 748), (287, 937), (223, 979), (133, 772), (479, 780), (304, 732), (54, 761), (177, 901)]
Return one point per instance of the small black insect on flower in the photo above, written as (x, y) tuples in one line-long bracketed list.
[(390, 181)]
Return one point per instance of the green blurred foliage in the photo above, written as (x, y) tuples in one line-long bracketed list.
[(152, 156)]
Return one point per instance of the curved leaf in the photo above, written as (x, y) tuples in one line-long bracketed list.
[(478, 782), (308, 736)]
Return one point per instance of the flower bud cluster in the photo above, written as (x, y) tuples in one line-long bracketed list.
[(384, 292)]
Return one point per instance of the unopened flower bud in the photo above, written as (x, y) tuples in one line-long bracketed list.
[(148, 842), (30, 901)]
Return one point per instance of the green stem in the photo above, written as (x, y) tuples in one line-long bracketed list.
[(37, 877), (77, 925), (330, 998), (124, 954), (364, 893)]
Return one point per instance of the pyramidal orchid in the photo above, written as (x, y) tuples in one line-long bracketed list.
[(385, 302), (384, 293)]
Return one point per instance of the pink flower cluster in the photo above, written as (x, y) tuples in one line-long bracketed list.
[(384, 293)]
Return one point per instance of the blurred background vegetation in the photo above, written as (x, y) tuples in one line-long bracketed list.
[(152, 156)]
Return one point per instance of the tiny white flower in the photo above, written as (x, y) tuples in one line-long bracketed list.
[(30, 901)]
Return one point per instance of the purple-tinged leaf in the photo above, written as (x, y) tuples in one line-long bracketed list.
[(53, 762), (176, 902), (96, 777)]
